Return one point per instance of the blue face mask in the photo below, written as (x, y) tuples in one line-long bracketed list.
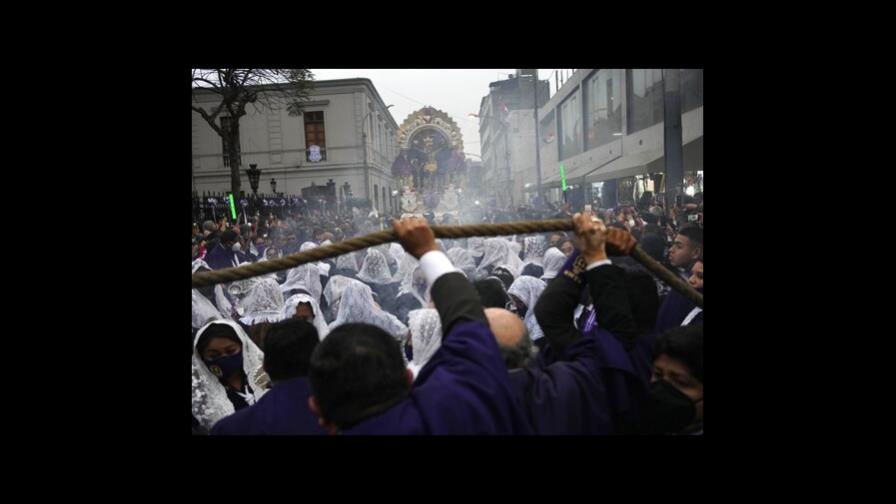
[(225, 367)]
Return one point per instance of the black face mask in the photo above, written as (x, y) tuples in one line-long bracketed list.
[(668, 410)]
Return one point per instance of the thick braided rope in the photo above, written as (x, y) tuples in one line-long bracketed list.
[(370, 240), (462, 231)]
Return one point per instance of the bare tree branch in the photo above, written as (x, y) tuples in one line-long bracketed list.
[(236, 88), (210, 119)]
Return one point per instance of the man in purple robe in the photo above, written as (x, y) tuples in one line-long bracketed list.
[(361, 386)]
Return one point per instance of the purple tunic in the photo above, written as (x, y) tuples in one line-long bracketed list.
[(463, 389), (283, 410), (565, 394)]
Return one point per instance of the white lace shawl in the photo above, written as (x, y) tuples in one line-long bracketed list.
[(529, 289), (199, 263), (476, 245), (209, 397), (497, 253), (203, 310), (552, 263), (397, 252), (305, 276), (426, 335), (418, 289), (289, 309), (323, 267), (534, 250), (224, 305), (462, 260), (264, 303), (405, 267), (335, 287), (357, 306), (347, 262), (375, 268)]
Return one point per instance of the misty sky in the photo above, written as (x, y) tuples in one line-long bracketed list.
[(456, 92)]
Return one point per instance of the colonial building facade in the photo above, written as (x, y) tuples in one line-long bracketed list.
[(344, 135)]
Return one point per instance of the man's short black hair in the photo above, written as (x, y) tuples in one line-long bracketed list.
[(491, 293), (357, 372), (685, 344), (287, 349), (693, 233), (229, 236)]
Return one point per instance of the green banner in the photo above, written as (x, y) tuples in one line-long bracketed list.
[(563, 177)]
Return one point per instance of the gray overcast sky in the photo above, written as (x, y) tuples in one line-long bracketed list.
[(456, 92)]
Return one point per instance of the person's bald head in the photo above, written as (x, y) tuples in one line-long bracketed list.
[(511, 335), (506, 326)]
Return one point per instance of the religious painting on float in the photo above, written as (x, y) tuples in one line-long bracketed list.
[(430, 163)]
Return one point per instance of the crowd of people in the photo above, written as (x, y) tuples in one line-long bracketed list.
[(557, 333)]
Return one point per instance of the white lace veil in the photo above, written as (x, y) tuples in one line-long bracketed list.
[(335, 287), (322, 267), (553, 261), (375, 269), (209, 397), (515, 247), (199, 263), (418, 289), (462, 260), (534, 250), (264, 303), (499, 253), (476, 245), (347, 262), (405, 267), (203, 310), (289, 309), (426, 334), (305, 276), (357, 306), (224, 305), (397, 252), (529, 289)]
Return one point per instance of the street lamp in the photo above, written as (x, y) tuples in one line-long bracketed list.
[(274, 186), (254, 174)]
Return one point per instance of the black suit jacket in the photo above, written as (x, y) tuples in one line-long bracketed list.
[(456, 300), (555, 307)]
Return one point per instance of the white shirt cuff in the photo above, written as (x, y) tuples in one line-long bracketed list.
[(595, 264), (435, 264)]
